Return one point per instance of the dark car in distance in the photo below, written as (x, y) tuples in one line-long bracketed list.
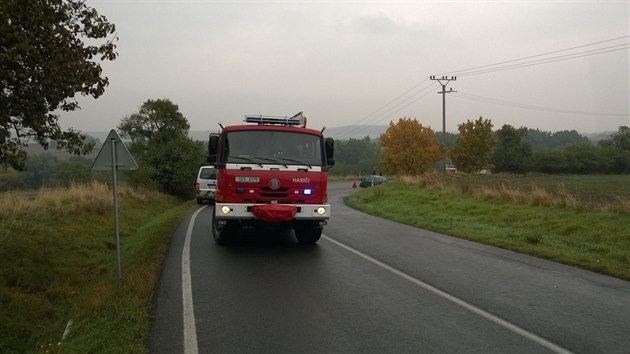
[(372, 180)]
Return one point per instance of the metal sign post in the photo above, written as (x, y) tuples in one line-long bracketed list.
[(114, 184), (119, 158)]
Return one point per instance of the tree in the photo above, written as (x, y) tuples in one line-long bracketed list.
[(156, 118), (355, 156), (449, 139), (540, 140), (40, 170), (10, 179), (75, 170), (473, 148), (173, 164), (408, 148), (622, 138), (45, 61), (550, 161), (618, 149), (510, 153), (567, 137), (576, 158), (167, 158), (587, 158)]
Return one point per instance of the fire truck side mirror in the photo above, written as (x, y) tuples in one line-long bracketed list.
[(329, 146), (213, 145)]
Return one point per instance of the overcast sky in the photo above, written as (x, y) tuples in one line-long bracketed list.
[(342, 61)]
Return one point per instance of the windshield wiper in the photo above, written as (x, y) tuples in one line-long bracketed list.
[(244, 158), (265, 158), (270, 160), (295, 161)]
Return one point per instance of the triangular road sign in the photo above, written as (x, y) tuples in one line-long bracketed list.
[(124, 160)]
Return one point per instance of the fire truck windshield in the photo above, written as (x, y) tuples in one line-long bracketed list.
[(269, 147)]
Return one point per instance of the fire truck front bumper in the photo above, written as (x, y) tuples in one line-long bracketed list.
[(244, 211)]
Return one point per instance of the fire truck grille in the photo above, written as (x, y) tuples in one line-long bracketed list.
[(299, 209), (267, 189), (274, 195), (280, 201), (275, 198)]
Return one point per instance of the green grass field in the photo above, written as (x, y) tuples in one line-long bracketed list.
[(588, 189), (577, 220), (58, 267)]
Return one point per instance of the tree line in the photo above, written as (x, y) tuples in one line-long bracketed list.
[(409, 148), (609, 156), (168, 160), (46, 169)]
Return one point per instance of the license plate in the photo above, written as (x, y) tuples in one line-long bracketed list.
[(246, 179)]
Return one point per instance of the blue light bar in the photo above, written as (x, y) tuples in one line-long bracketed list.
[(273, 120)]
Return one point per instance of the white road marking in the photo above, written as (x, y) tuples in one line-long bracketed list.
[(65, 332), (190, 330), (501, 322)]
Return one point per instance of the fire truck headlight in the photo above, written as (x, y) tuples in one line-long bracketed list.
[(321, 211), (225, 210), (308, 191)]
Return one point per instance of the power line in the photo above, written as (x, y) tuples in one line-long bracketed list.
[(354, 127), (412, 102), (483, 99), (485, 69), (547, 60), (458, 72), (397, 105), (387, 104)]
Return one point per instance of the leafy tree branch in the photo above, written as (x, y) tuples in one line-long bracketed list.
[(45, 62)]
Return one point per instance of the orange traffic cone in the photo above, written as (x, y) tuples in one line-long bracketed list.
[(354, 184)]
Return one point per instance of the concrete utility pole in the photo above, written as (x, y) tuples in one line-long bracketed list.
[(444, 80)]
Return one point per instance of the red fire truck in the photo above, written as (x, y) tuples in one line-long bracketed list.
[(272, 170)]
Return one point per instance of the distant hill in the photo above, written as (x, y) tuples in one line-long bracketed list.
[(595, 137), (355, 131), (200, 135), (100, 136)]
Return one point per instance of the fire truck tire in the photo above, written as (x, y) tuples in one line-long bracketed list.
[(222, 236), (199, 201), (308, 234)]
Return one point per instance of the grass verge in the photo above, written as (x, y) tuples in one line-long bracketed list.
[(598, 240), (58, 264)]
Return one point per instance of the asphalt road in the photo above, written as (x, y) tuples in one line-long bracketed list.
[(371, 285)]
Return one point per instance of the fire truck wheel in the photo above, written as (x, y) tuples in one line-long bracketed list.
[(199, 201), (308, 234), (222, 235)]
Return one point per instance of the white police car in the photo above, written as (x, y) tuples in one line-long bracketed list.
[(206, 185)]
